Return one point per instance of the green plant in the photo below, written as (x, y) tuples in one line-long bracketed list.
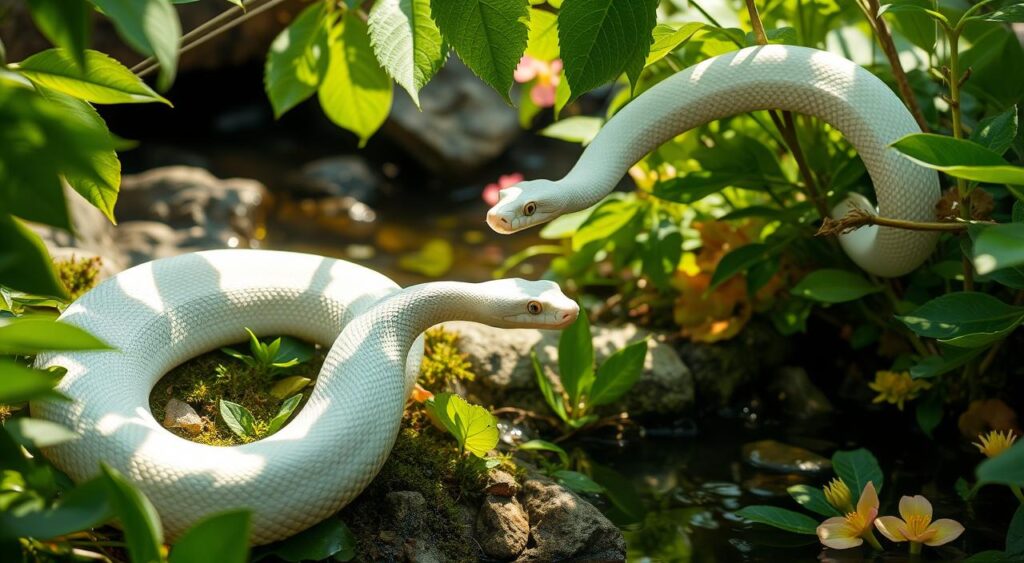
[(585, 388), (270, 360), (473, 426), (244, 425), (443, 363)]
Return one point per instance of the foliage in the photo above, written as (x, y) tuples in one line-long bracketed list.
[(443, 363), (269, 360), (473, 426), (584, 387)]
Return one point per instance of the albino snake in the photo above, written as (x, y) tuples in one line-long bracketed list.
[(781, 77), (165, 312)]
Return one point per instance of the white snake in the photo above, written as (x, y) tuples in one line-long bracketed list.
[(797, 79), (162, 313)]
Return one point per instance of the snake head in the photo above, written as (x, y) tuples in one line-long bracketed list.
[(520, 303), (524, 205)]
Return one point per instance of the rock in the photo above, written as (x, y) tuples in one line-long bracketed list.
[(771, 486), (500, 483), (463, 124), (179, 414), (563, 526), (721, 369), (502, 527), (407, 510), (94, 236), (141, 241), (799, 397), (784, 458), (339, 176), (501, 360)]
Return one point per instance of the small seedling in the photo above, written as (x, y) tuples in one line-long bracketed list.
[(274, 358), (473, 426), (242, 422)]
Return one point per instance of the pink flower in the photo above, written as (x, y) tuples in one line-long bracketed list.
[(546, 75), (505, 181)]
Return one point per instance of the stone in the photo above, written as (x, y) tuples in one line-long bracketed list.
[(338, 176), (502, 484), (800, 398), (784, 458), (463, 124), (407, 511), (502, 527), (563, 526), (500, 359), (94, 236), (179, 414), (771, 486)]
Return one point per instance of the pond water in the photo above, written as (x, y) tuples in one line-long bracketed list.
[(690, 473)]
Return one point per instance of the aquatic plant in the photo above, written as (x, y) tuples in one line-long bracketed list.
[(915, 525), (854, 528)]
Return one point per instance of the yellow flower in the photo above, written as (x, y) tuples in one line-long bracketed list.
[(897, 388), (916, 526), (844, 532), (995, 442), (838, 495)]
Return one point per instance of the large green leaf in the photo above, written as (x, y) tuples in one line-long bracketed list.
[(138, 517), (38, 432), (576, 359), (151, 27), (577, 481), (284, 412), (65, 23), (997, 132), (618, 374), (999, 246), (813, 499), (330, 538), (1006, 468), (1013, 13), (356, 92), (489, 36), (542, 42), (407, 42), (601, 39), (33, 335), (473, 426), (577, 129), (951, 359), (297, 60), (611, 216), (959, 158), (779, 518), (857, 468), (695, 186), (1015, 534), (103, 80), (82, 508), (545, 446), (965, 319), (25, 264), (737, 261), (916, 25), (19, 383), (221, 538), (834, 286), (547, 391), (668, 37)]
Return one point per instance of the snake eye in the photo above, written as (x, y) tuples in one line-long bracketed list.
[(530, 208), (534, 307)]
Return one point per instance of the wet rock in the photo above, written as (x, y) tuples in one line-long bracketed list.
[(784, 458), (463, 124), (771, 486), (500, 483), (799, 397), (179, 414), (563, 526), (505, 376), (502, 527), (339, 176)]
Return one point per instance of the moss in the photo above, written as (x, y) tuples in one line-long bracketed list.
[(442, 360), (78, 275), (203, 381)]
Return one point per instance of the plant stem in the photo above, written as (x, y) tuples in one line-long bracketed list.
[(954, 78), (1017, 493), (755, 22), (889, 49), (869, 536), (915, 548)]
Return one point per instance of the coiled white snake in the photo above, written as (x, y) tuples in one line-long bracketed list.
[(782, 77), (164, 312)]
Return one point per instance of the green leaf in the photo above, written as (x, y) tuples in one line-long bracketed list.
[(356, 92), (65, 23), (916, 25), (813, 499), (618, 374), (221, 538), (737, 261), (1015, 534), (965, 319), (20, 383), (286, 410), (578, 129), (662, 255), (330, 538), (1006, 468), (997, 132), (779, 518), (545, 446), (857, 468), (33, 335), (834, 286), (1013, 13), (38, 433), (577, 481), (25, 264), (151, 27), (553, 400), (473, 426), (102, 81), (668, 37), (293, 349), (407, 42), (86, 506), (139, 520), (607, 219), (999, 246), (289, 386), (576, 359), (694, 186), (489, 36), (297, 59), (238, 419), (542, 40), (928, 412), (601, 39), (959, 158), (951, 359)]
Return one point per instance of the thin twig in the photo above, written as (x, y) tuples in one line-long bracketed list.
[(857, 218), (889, 49), (755, 22)]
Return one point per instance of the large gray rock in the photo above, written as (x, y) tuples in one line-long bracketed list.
[(94, 235), (463, 125), (502, 527), (565, 527), (505, 375)]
